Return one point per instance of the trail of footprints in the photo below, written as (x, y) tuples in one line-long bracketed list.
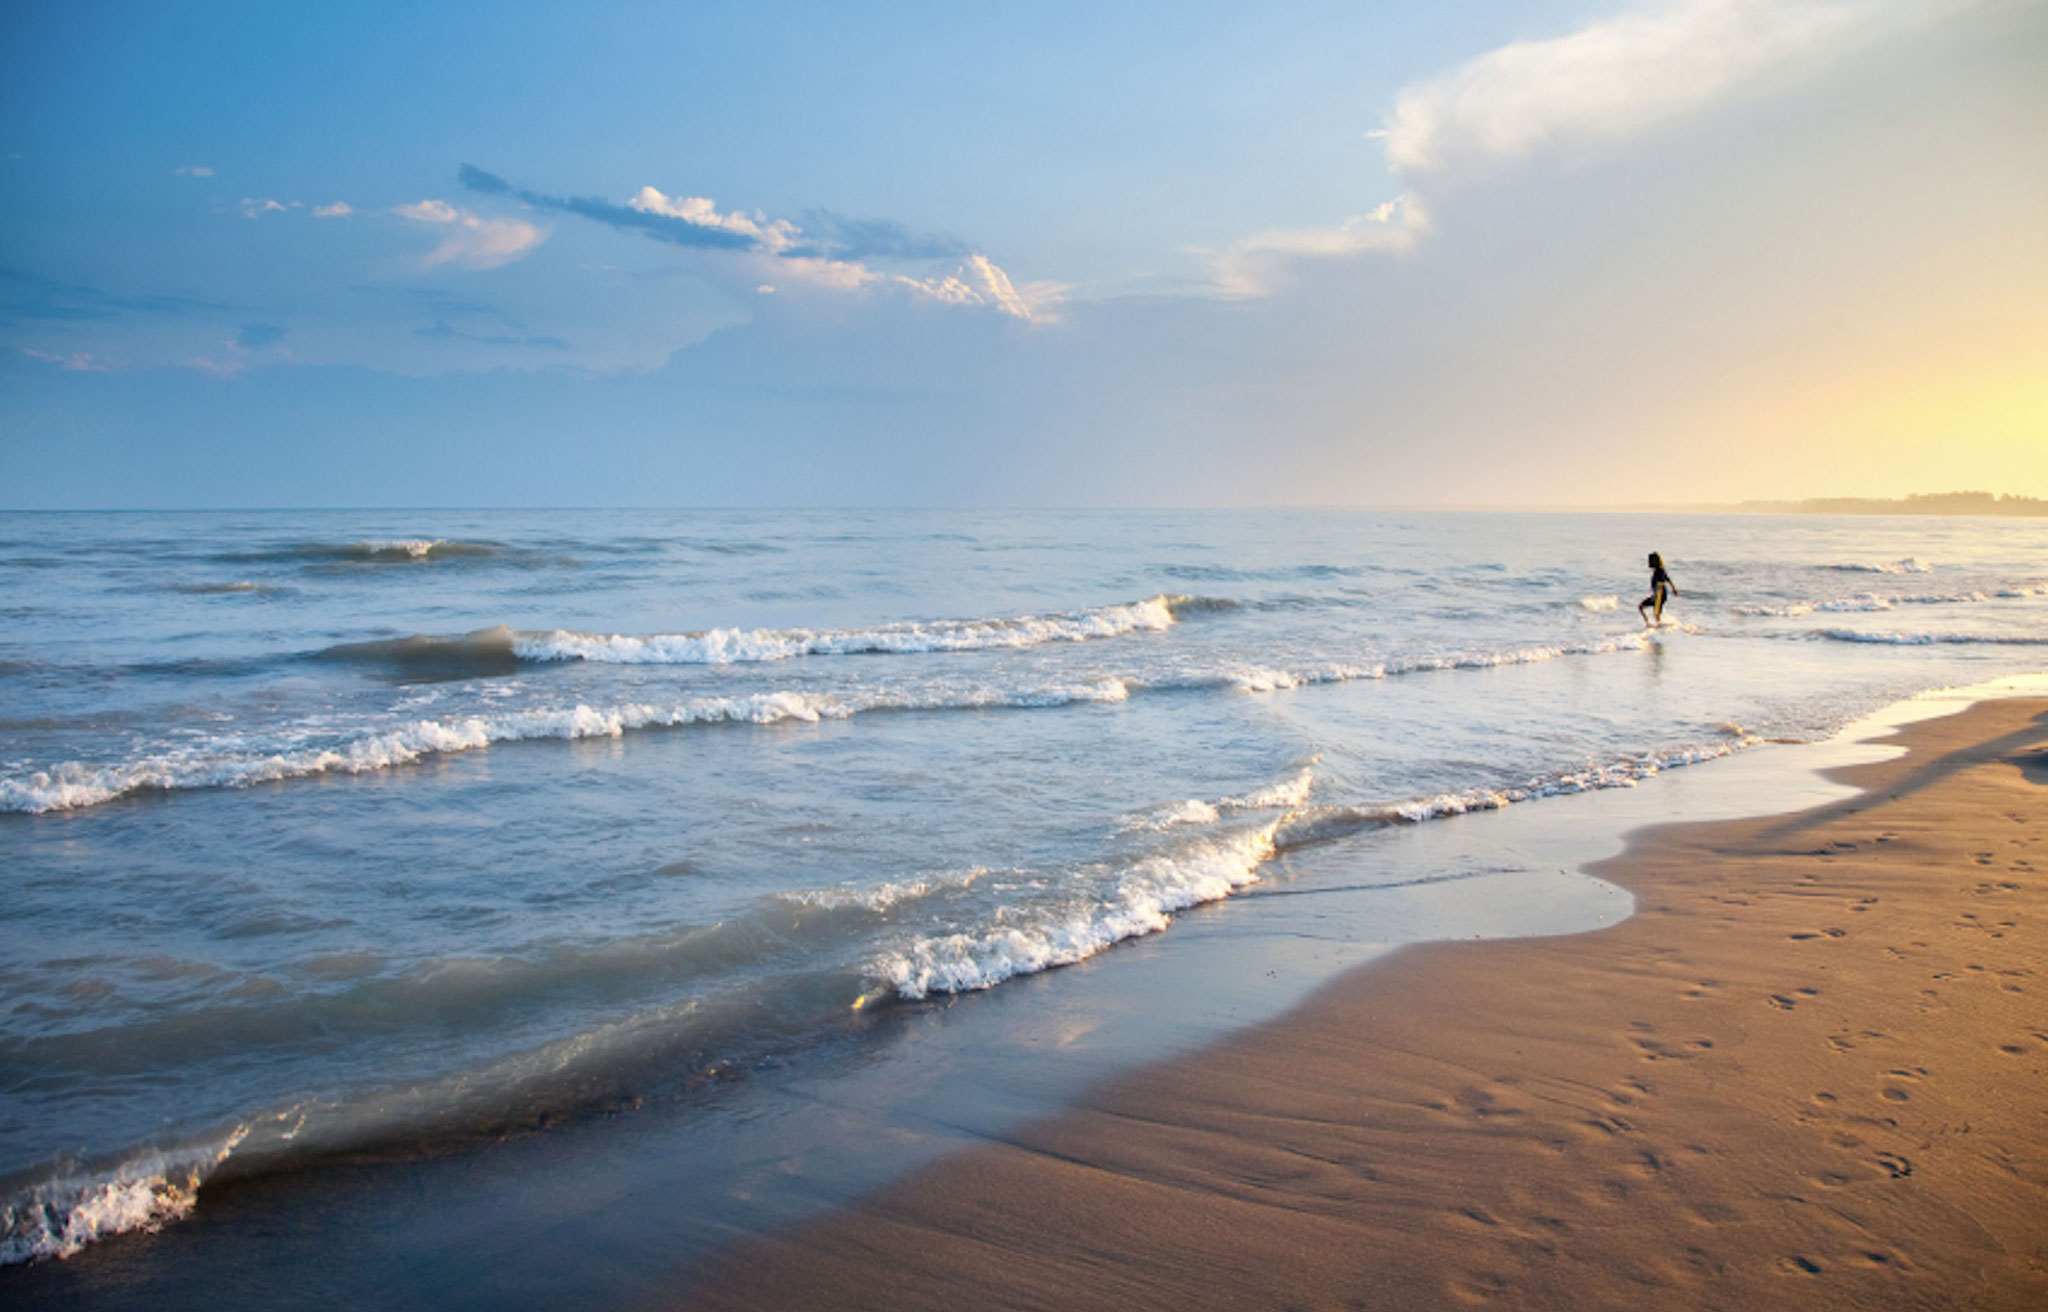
[(1895, 1089)]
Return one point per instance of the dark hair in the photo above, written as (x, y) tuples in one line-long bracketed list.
[(1656, 561)]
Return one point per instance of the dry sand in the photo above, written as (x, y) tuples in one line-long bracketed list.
[(1806, 1074)]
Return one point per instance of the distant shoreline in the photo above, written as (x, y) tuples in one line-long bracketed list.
[(1920, 503)]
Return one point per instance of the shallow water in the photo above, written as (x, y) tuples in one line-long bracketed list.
[(395, 830)]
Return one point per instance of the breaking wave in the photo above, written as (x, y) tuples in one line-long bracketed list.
[(72, 785), (1874, 601), (59, 1216), (1932, 639), (1148, 892), (1142, 902), (738, 646), (1052, 919), (502, 650), (1910, 565), (375, 551)]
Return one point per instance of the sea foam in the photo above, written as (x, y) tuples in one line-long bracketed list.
[(72, 785), (735, 646), (57, 1217), (1143, 902)]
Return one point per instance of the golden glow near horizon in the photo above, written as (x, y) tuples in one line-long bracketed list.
[(1935, 429)]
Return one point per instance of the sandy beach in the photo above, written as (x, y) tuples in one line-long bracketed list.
[(1806, 1074)]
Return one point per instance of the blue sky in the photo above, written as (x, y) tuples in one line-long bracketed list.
[(1532, 253)]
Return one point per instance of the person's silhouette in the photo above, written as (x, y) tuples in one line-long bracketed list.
[(1661, 586)]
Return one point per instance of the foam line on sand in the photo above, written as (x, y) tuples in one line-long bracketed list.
[(1808, 1073)]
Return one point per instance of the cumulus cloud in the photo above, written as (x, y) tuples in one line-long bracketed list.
[(1610, 80), (1621, 76), (472, 241), (340, 209)]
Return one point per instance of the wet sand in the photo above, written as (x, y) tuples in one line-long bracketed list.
[(1807, 1073)]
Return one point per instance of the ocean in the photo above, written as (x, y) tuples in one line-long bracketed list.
[(341, 846)]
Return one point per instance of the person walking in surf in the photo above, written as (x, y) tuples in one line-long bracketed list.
[(1661, 587)]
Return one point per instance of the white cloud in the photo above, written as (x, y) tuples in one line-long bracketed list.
[(1623, 75), (428, 211), (473, 241), (255, 207), (193, 171), (340, 209), (1612, 79), (1264, 262), (770, 235), (978, 281)]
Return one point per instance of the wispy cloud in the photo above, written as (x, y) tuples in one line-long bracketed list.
[(340, 209), (831, 255), (193, 171), (78, 362), (473, 241), (655, 223), (255, 207), (1265, 262)]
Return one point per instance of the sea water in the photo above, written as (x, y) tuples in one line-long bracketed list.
[(334, 831)]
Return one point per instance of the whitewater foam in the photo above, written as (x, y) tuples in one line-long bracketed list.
[(1210, 869), (1873, 601), (72, 785), (57, 1217), (1287, 793), (738, 646), (1932, 639), (75, 784), (1144, 901)]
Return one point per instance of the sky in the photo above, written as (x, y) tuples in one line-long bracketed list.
[(1549, 252)]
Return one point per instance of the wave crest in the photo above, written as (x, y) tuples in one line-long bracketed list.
[(745, 646), (57, 1217)]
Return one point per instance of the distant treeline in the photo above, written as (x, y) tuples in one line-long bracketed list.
[(1920, 503)]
